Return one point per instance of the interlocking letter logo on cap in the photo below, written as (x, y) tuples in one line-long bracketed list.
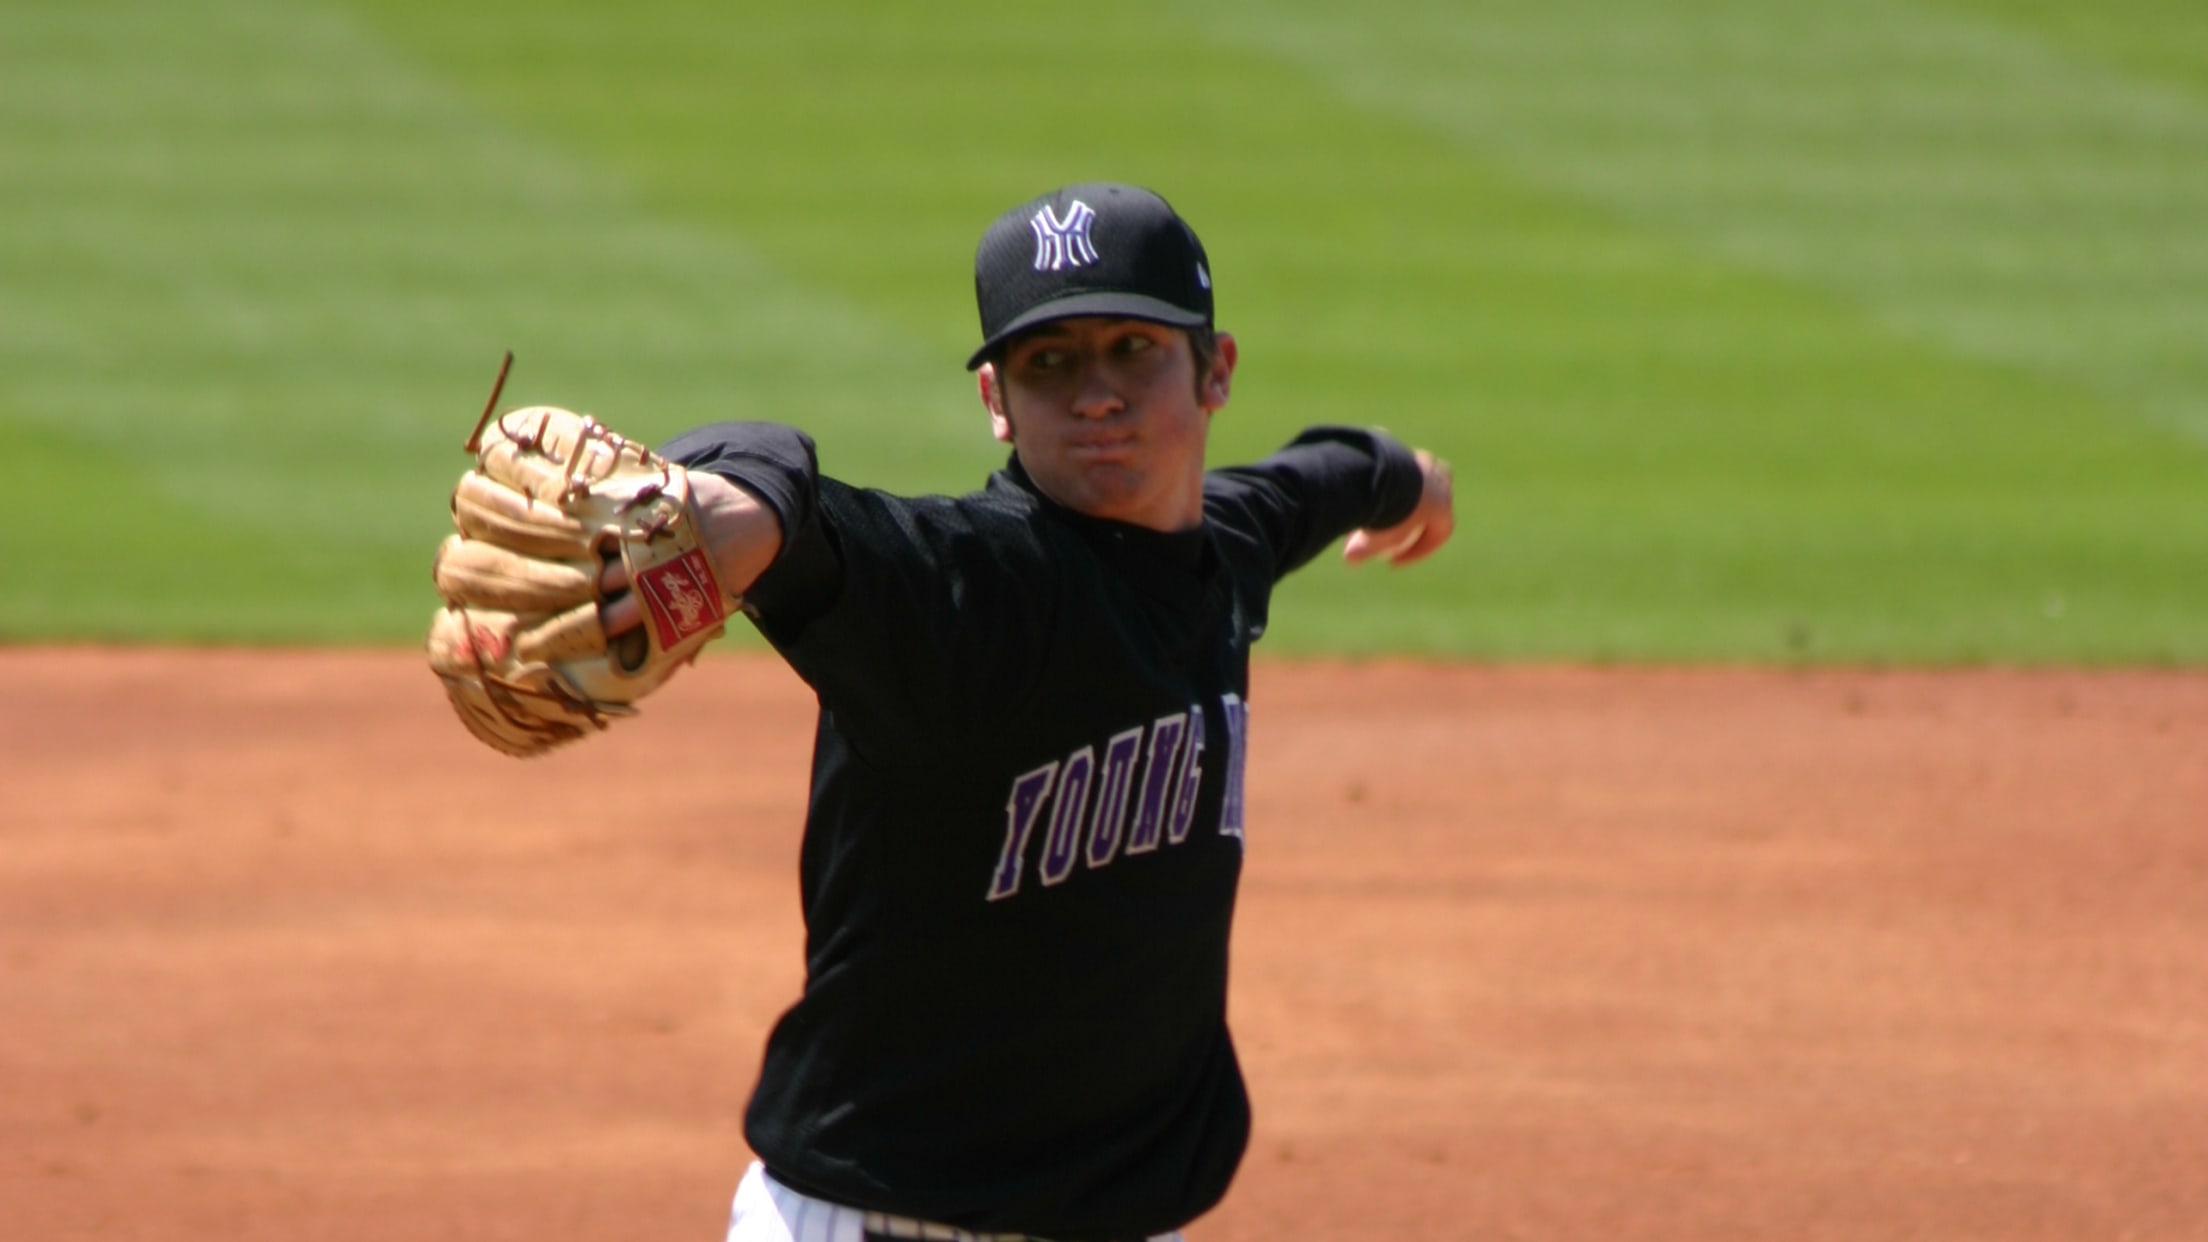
[(1060, 244)]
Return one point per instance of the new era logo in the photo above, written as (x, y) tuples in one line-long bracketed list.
[(1060, 244)]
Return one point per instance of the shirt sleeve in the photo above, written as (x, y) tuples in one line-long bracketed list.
[(778, 465), (910, 618), (1326, 483)]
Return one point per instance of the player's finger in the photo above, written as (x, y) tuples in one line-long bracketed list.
[(1364, 545), (1433, 533), (1430, 538), (620, 613)]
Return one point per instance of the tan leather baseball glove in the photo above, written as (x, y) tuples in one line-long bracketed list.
[(553, 500)]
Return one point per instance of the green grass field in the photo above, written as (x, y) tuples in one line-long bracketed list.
[(1757, 330)]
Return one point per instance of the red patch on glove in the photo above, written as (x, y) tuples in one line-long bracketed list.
[(683, 597)]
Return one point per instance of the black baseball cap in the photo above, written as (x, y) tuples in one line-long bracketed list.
[(1091, 249)]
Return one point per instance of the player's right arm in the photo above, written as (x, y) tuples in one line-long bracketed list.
[(910, 617), (740, 533), (743, 527)]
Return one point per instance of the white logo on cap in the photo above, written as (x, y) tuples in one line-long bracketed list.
[(1203, 277), (1060, 244)]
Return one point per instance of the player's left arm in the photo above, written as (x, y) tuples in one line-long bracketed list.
[(1328, 482), (1415, 537)]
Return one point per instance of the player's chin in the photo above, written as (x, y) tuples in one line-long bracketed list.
[(1108, 490), (1114, 483)]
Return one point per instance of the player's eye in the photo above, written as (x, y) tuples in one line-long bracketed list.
[(1134, 343)]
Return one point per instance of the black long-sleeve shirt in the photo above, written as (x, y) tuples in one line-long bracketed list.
[(1025, 831)]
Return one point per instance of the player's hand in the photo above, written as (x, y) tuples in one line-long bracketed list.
[(740, 533), (1417, 536)]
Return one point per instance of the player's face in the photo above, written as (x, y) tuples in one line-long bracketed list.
[(1108, 417)]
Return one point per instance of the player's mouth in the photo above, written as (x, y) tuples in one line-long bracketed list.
[(1114, 448)]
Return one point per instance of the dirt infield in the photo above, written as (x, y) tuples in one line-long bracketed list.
[(1549, 954)]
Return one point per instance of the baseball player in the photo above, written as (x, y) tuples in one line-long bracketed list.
[(1027, 814)]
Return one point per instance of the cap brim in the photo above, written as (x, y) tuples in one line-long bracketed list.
[(1074, 305)]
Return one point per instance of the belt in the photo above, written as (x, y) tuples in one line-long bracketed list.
[(883, 1227), (800, 1210)]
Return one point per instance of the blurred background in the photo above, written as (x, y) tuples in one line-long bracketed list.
[(1866, 332)]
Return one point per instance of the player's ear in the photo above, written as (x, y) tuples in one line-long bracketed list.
[(1212, 393), (992, 399)]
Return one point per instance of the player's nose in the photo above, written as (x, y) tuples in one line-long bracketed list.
[(1094, 394)]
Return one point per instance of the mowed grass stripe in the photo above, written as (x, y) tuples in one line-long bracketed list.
[(1666, 452), (2163, 42), (1959, 179), (257, 273), (1695, 454), (1665, 456)]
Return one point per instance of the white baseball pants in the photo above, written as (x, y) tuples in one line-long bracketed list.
[(768, 1211)]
